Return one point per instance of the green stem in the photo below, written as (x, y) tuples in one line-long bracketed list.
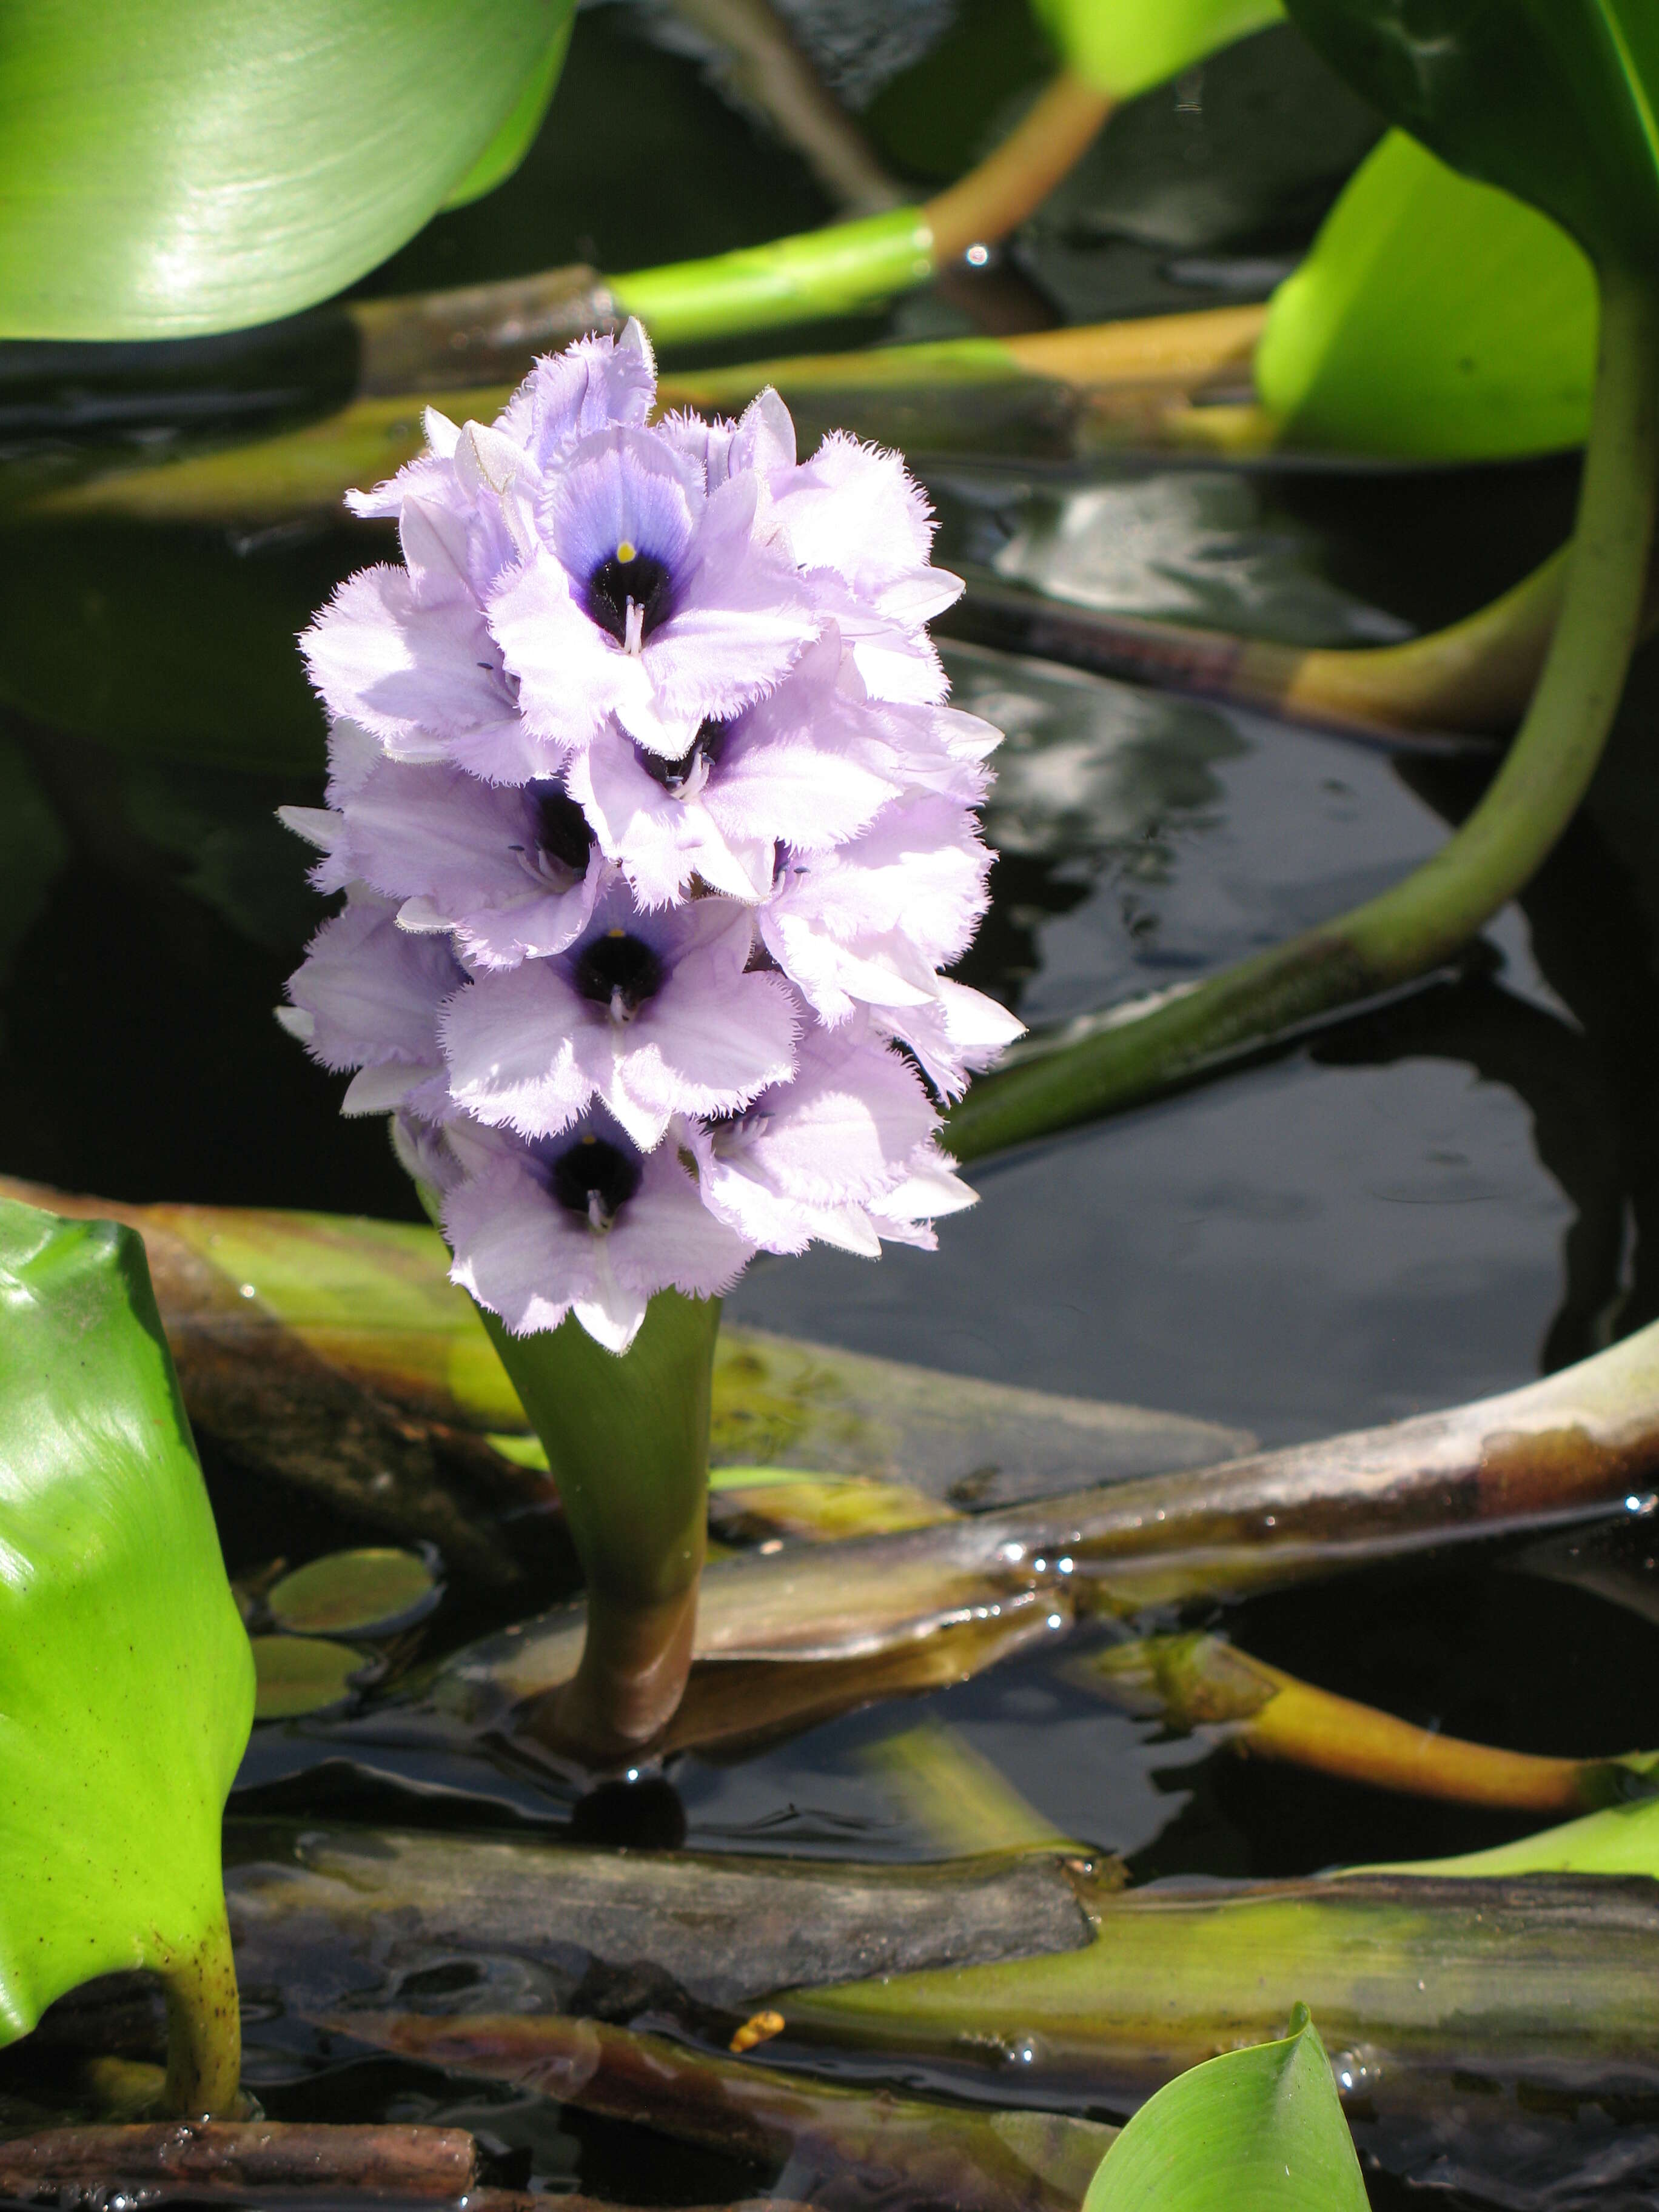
[(204, 2028), (627, 1438), (1422, 921), (837, 271)]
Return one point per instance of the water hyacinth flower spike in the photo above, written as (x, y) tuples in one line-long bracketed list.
[(656, 836)]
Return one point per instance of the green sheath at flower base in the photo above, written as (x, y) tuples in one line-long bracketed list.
[(126, 1683), (627, 1438)]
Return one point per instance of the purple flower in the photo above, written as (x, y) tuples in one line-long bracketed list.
[(810, 1155), (511, 871), (587, 1222), (653, 1014), (870, 923), (647, 596), (656, 837), (366, 996)]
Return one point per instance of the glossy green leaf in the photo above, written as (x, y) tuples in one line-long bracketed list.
[(1380, 343), (1552, 100), (126, 1689), (1124, 47), (517, 134), (1621, 1839), (376, 1589), (1255, 2130), (196, 165)]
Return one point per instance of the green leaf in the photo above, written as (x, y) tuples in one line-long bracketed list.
[(196, 165), (1255, 2131), (1380, 343), (1127, 46), (1552, 100), (517, 134), (1622, 1839), (126, 1688)]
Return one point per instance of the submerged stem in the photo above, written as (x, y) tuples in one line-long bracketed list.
[(1198, 1680), (1422, 921)]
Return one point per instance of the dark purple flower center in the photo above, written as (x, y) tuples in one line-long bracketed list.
[(594, 1178), (628, 574), (674, 774), (617, 971), (561, 830)]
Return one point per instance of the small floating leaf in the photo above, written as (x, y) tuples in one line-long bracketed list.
[(1256, 2128), (375, 1590), (302, 1674)]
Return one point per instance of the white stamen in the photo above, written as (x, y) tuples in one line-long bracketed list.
[(621, 1011), (633, 633), (690, 785), (597, 1220)]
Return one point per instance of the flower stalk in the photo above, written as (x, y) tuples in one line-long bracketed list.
[(627, 1438)]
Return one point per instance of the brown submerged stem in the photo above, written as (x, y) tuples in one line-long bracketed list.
[(1202, 1680), (844, 2148), (992, 200), (238, 2162)]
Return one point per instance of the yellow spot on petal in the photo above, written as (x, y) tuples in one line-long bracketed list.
[(588, 1138), (627, 551), (615, 932)]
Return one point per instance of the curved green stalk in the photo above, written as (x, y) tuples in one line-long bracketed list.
[(837, 271), (852, 265), (627, 1438), (1411, 929)]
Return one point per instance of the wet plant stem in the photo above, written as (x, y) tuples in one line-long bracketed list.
[(1200, 1680), (204, 2031), (627, 1438), (1412, 929)]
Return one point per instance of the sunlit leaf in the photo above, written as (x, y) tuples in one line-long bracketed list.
[(196, 165), (517, 133), (1256, 2128), (1380, 343), (1621, 1839), (1552, 100), (125, 1684), (1127, 46)]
